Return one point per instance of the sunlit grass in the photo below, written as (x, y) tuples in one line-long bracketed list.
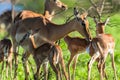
[(81, 69)]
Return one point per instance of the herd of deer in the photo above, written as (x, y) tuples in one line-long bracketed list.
[(37, 35)]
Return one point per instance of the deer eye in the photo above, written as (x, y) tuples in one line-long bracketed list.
[(54, 0), (83, 23), (84, 18)]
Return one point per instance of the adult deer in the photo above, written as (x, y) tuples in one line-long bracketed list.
[(53, 54), (52, 7), (6, 55), (79, 45), (48, 32)]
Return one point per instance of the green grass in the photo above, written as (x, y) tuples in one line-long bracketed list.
[(81, 69)]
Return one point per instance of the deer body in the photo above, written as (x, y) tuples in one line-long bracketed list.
[(102, 43), (51, 7), (106, 45), (79, 45), (45, 32), (53, 54)]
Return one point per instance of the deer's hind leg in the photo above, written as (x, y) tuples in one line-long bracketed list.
[(24, 60), (69, 62), (55, 69), (113, 65), (45, 67), (36, 75), (74, 66), (63, 68), (103, 70), (90, 63)]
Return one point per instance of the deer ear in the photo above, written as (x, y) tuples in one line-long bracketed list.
[(106, 21), (76, 12), (95, 20)]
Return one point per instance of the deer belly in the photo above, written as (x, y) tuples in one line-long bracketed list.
[(26, 43), (19, 36), (39, 40)]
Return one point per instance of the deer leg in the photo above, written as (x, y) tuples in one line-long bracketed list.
[(53, 65), (36, 75), (63, 68), (24, 60), (6, 69), (16, 59), (101, 67), (56, 71), (58, 67), (113, 65), (104, 73), (2, 69), (45, 68), (102, 64), (11, 68), (74, 66), (10, 63), (92, 60), (69, 62)]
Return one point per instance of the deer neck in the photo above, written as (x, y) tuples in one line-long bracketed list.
[(59, 31), (99, 30), (48, 12)]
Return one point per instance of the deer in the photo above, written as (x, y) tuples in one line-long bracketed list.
[(47, 32), (53, 54), (52, 7), (6, 55), (78, 45)]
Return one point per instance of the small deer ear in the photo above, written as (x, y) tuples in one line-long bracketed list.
[(95, 20), (106, 21), (76, 12)]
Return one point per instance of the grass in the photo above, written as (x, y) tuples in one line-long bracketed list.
[(81, 69)]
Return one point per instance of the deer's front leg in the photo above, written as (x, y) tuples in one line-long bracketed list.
[(36, 75), (69, 62), (24, 60), (15, 58)]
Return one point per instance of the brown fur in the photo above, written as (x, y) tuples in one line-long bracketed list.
[(48, 32), (98, 44), (51, 7), (6, 54), (53, 54)]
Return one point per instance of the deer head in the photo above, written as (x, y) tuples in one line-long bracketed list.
[(81, 18), (55, 5), (100, 25)]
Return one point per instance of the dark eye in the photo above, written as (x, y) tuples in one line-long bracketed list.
[(84, 18), (83, 23), (54, 0)]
